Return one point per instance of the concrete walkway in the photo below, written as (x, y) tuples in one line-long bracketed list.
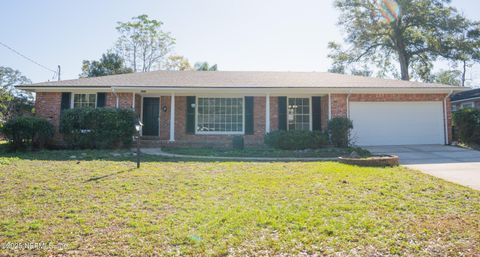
[(451, 163), (159, 152)]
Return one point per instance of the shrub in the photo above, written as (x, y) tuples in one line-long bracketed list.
[(238, 143), (28, 132), (98, 128), (296, 139), (339, 129), (467, 125)]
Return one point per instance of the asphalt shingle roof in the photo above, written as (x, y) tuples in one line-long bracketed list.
[(466, 95), (237, 79)]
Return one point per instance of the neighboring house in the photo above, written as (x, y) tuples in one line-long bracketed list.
[(193, 107), (466, 99)]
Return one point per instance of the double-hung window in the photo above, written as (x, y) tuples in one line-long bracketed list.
[(298, 114), (467, 105), (217, 115), (84, 100)]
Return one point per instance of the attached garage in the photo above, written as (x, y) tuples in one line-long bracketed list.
[(397, 123)]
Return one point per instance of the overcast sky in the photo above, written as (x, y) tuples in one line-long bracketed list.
[(235, 34)]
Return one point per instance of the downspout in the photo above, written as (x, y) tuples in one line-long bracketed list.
[(116, 97), (329, 106), (445, 113), (348, 103)]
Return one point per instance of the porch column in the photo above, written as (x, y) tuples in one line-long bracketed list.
[(133, 101), (267, 113), (172, 117)]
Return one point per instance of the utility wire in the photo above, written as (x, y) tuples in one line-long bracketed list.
[(18, 53)]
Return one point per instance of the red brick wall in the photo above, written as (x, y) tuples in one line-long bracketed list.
[(339, 105), (165, 117), (273, 113), (138, 105), (125, 100), (258, 122), (47, 105)]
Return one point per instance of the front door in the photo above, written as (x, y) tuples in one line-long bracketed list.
[(151, 106)]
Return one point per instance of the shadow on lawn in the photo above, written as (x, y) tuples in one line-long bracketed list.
[(92, 179)]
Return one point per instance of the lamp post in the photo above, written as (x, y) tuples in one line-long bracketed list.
[(138, 127)]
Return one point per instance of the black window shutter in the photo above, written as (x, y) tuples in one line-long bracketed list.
[(66, 101), (190, 115), (316, 113), (249, 115), (101, 99), (282, 113)]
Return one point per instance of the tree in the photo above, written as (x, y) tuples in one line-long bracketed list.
[(109, 64), (13, 101), (448, 77), (142, 43), (204, 66), (177, 63), (404, 35), (467, 50)]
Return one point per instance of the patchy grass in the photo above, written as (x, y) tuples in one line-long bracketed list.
[(99, 204), (266, 152)]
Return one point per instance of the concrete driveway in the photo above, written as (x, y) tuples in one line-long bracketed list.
[(451, 163)]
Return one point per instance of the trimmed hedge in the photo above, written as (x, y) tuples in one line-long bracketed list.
[(296, 139), (339, 129), (98, 128), (467, 125), (26, 132)]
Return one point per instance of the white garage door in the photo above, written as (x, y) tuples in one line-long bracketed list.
[(397, 123)]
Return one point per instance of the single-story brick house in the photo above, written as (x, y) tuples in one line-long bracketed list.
[(466, 99), (192, 107)]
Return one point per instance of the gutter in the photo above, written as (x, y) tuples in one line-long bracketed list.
[(445, 112)]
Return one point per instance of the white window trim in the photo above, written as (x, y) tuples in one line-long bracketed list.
[(470, 105), (72, 100), (219, 132), (309, 114)]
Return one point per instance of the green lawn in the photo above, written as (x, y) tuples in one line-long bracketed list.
[(91, 203)]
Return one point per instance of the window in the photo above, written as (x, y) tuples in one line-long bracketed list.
[(84, 100), (467, 105), (298, 117), (220, 115)]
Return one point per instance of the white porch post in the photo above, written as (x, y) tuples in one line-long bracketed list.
[(172, 117), (267, 113), (329, 107), (133, 101)]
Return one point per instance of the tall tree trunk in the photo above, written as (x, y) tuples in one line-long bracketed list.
[(134, 58), (464, 73), (403, 65), (402, 54)]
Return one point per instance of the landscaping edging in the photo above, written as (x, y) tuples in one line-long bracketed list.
[(159, 152), (374, 161)]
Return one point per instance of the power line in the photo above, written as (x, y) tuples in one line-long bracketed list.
[(29, 59)]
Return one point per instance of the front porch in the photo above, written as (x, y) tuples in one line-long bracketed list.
[(182, 119)]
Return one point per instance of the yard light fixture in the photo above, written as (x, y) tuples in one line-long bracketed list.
[(138, 128)]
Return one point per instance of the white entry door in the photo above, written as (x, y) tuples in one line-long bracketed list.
[(397, 123)]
